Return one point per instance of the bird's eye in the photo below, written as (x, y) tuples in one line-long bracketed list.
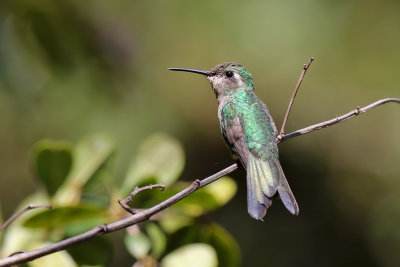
[(229, 74)]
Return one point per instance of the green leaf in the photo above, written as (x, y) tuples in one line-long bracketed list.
[(90, 154), (138, 244), (225, 245), (223, 190), (158, 239), (205, 199), (96, 251), (74, 219), (52, 161), (174, 219), (193, 255), (161, 156), (61, 258), (19, 238)]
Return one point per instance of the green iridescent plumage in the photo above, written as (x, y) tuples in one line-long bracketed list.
[(250, 132)]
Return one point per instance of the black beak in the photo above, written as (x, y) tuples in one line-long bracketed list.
[(204, 72)]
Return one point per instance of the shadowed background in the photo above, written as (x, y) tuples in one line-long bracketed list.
[(72, 68)]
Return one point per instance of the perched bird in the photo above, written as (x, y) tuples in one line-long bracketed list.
[(250, 132)]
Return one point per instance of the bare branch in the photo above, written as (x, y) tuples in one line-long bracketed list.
[(124, 202), (140, 216), (336, 120), (146, 214), (108, 228), (19, 213), (303, 73)]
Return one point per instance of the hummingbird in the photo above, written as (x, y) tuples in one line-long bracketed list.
[(250, 132)]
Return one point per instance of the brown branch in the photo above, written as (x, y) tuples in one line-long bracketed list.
[(146, 214), (19, 213), (124, 202), (108, 228), (302, 74), (338, 119)]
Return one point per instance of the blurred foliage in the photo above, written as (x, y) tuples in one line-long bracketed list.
[(76, 166), (72, 68)]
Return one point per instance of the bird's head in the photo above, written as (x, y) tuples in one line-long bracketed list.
[(225, 77)]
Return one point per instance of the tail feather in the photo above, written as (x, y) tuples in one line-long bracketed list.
[(286, 194), (257, 203), (264, 179), (267, 178)]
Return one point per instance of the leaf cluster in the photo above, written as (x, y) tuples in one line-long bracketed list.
[(78, 180)]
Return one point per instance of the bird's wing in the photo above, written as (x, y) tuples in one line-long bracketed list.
[(260, 132)]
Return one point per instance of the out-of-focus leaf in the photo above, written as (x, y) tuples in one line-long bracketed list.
[(138, 244), (158, 239), (225, 245), (96, 251), (15, 236), (197, 203), (174, 219), (99, 188), (90, 154), (52, 161), (73, 219), (205, 199), (61, 258), (160, 155), (193, 255), (222, 190)]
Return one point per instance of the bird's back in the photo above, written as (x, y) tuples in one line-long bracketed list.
[(251, 133), (244, 110)]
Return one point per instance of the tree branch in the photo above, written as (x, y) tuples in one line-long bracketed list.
[(19, 213), (108, 228), (124, 202), (302, 74), (146, 214), (351, 114)]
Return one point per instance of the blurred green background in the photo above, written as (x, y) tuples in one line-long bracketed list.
[(73, 68)]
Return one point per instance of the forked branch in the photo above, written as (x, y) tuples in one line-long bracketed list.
[(19, 213), (144, 215), (351, 114), (296, 89)]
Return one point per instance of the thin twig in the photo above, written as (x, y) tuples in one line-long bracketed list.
[(338, 119), (19, 213), (124, 202), (108, 228), (302, 74), (146, 214)]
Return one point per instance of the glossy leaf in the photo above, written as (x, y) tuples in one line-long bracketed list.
[(205, 199), (74, 219), (138, 244), (158, 239), (174, 219), (96, 251), (225, 245), (15, 236), (193, 255), (223, 190), (90, 154), (52, 162), (61, 258), (161, 156)]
